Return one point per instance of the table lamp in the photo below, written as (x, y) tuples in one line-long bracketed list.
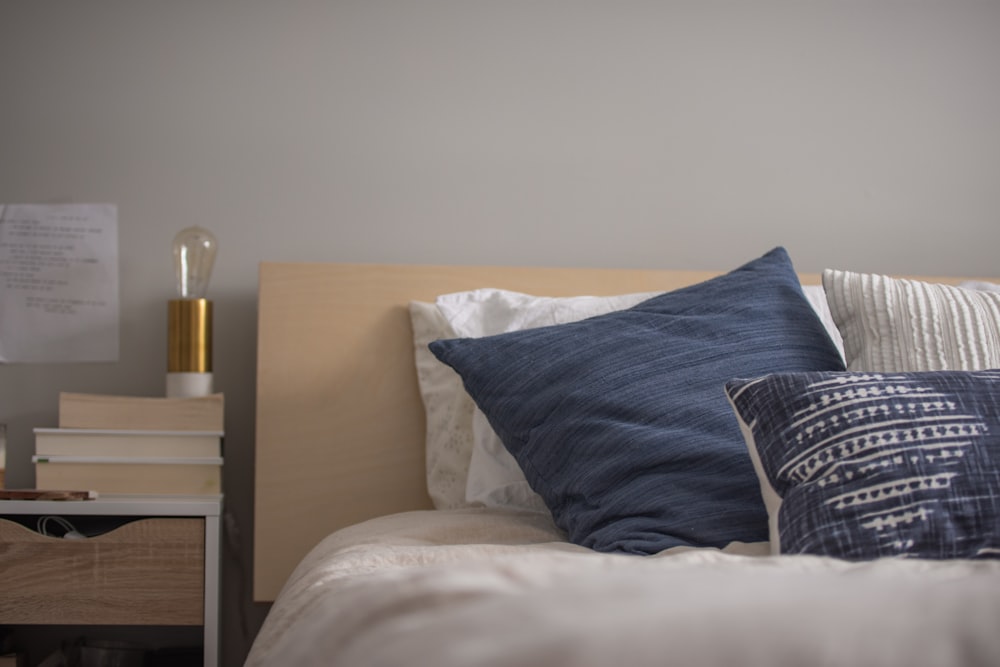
[(189, 316)]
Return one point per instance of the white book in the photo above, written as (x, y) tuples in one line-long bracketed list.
[(141, 412), (136, 476), (127, 443)]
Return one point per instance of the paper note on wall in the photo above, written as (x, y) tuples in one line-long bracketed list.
[(58, 283)]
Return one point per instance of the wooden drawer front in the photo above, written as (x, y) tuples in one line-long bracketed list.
[(147, 572)]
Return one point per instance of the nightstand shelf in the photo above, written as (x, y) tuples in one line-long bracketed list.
[(160, 566)]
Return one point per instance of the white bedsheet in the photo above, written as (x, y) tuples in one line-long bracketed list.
[(484, 587)]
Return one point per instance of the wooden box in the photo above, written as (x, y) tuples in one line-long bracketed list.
[(145, 572)]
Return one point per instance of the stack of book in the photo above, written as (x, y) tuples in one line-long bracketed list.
[(133, 445)]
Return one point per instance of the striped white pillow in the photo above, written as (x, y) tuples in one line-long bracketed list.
[(898, 325)]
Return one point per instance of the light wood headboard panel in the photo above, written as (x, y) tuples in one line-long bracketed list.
[(340, 423)]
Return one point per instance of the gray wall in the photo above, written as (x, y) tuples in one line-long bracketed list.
[(861, 135)]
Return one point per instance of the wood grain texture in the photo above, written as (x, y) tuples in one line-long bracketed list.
[(340, 423), (146, 572)]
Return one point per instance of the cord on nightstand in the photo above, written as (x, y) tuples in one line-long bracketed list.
[(69, 530)]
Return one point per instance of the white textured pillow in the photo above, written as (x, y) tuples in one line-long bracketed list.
[(448, 410), (899, 325), (981, 285)]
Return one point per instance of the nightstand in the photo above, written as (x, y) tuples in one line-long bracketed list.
[(159, 565)]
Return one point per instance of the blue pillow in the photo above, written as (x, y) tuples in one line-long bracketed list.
[(866, 465), (620, 421)]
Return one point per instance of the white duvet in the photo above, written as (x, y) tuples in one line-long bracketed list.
[(482, 587)]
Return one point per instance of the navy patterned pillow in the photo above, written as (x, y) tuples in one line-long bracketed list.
[(620, 422), (865, 465)]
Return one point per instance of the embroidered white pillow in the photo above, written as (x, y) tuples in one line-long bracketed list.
[(448, 410)]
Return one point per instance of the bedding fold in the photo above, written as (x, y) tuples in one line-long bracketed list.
[(474, 587)]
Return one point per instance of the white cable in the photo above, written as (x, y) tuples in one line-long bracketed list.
[(69, 530)]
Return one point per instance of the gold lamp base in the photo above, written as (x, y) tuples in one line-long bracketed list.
[(189, 336), (189, 347)]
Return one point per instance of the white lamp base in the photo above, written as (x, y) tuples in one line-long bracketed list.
[(187, 385)]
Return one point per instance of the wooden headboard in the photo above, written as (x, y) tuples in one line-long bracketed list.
[(340, 423)]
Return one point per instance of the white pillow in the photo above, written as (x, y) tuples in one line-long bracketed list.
[(466, 462), (981, 285), (898, 325), (448, 409)]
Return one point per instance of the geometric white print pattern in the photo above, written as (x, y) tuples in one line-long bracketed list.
[(871, 464)]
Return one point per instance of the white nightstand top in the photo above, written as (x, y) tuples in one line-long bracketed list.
[(119, 505)]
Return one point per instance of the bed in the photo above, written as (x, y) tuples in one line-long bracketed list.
[(516, 466)]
